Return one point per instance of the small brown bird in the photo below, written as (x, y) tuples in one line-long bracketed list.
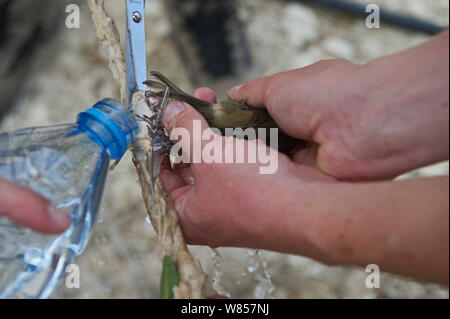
[(225, 114)]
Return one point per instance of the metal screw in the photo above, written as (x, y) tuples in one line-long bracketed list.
[(136, 16)]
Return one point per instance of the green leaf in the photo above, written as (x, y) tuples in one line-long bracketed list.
[(169, 278)]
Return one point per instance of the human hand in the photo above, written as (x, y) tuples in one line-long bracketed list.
[(355, 134), (28, 209), (365, 122), (301, 210), (222, 204)]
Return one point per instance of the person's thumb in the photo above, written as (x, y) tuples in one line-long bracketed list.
[(28, 209), (186, 127), (255, 92)]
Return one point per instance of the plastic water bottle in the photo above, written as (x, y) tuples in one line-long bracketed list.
[(67, 164)]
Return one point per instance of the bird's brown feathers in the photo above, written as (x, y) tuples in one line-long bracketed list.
[(225, 114)]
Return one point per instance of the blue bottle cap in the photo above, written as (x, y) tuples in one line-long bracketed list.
[(111, 124)]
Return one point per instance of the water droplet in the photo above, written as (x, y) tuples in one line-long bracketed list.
[(33, 257), (258, 266), (252, 268), (263, 290), (218, 272)]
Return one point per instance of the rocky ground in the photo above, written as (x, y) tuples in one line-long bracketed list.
[(68, 74)]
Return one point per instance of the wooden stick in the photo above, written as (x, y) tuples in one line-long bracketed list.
[(159, 207)]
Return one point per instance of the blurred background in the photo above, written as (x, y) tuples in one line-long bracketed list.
[(49, 73)]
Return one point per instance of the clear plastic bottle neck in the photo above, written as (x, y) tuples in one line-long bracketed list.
[(110, 124)]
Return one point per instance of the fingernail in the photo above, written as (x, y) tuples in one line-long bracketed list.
[(171, 110), (234, 89), (58, 217), (190, 180)]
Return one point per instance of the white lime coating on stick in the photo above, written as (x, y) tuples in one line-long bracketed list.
[(159, 207)]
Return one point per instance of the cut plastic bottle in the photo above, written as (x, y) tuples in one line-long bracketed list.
[(67, 164)]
